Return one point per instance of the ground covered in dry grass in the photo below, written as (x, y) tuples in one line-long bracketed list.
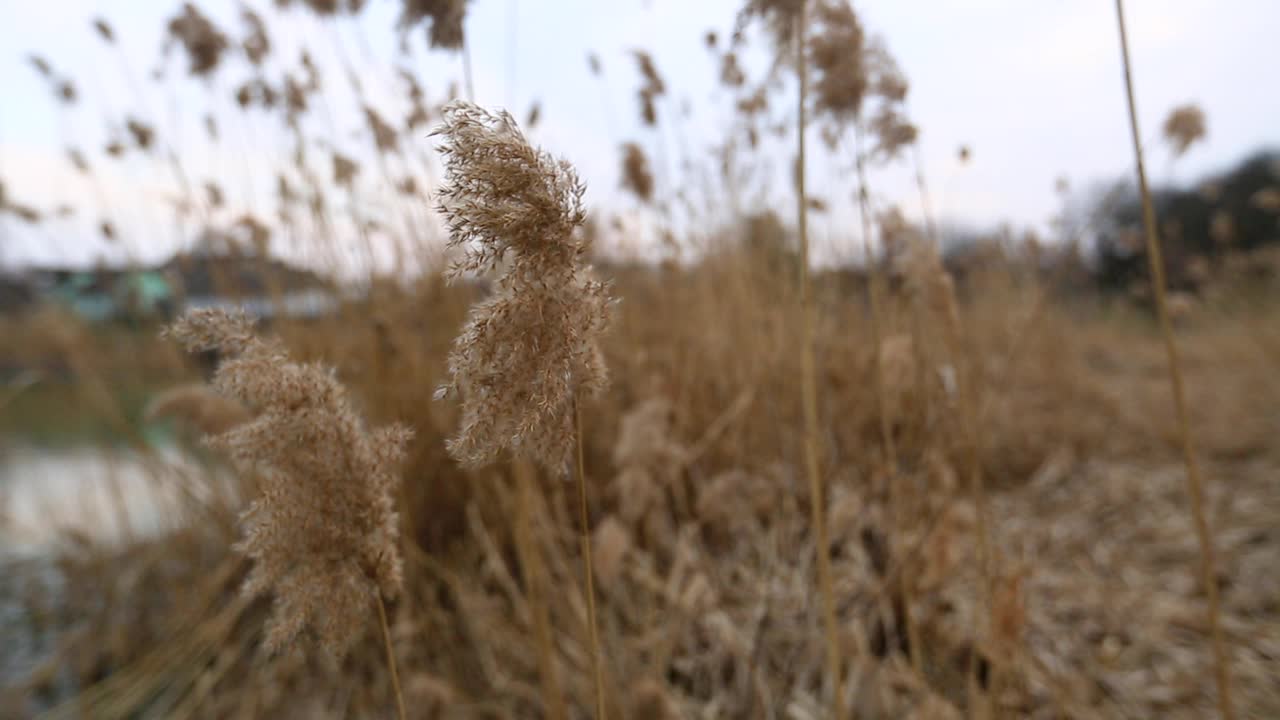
[(704, 553)]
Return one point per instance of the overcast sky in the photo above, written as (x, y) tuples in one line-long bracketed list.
[(1033, 87)]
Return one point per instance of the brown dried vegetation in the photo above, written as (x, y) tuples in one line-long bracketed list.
[(699, 513)]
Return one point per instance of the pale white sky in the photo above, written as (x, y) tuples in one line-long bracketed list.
[(1032, 86)]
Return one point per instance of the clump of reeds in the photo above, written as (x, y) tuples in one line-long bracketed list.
[(323, 533)]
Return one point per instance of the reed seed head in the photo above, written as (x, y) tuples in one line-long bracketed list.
[(446, 18), (837, 56), (636, 173), (202, 40), (531, 349), (323, 534), (1184, 127), (103, 28), (256, 43)]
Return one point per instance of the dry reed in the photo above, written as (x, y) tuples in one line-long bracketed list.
[(323, 533), (529, 354), (1184, 126), (704, 542), (1195, 484)]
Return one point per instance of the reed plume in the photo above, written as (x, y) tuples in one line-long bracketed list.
[(836, 50), (531, 349), (323, 534), (529, 352), (256, 43), (446, 18), (1184, 127), (202, 40), (652, 88), (104, 30), (637, 176)]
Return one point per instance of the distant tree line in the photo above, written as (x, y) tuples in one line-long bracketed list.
[(1234, 213)]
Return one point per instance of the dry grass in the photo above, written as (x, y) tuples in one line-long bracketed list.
[(891, 491), (710, 602)]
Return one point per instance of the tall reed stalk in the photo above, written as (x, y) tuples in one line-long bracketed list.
[(1195, 483), (809, 386), (530, 554), (585, 520)]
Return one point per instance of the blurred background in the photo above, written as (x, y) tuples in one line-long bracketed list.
[(277, 156)]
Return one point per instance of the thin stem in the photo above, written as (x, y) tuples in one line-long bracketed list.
[(1195, 484), (535, 575), (809, 391), (466, 69), (967, 364), (391, 658), (584, 519), (926, 205)]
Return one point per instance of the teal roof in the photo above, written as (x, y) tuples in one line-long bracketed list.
[(151, 286)]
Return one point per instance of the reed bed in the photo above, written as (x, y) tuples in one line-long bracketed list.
[(526, 474)]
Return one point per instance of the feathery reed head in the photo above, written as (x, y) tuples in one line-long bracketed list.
[(652, 88), (256, 43), (1184, 126), (636, 174), (892, 132), (731, 73), (781, 18), (502, 195), (104, 30), (884, 76), (836, 53), (531, 349), (649, 71), (384, 136), (323, 533), (202, 40), (344, 169), (446, 17)]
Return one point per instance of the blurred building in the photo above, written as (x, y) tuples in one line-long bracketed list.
[(215, 273)]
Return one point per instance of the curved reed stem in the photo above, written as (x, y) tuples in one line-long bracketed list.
[(1195, 484), (584, 519), (809, 391), (391, 658)]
